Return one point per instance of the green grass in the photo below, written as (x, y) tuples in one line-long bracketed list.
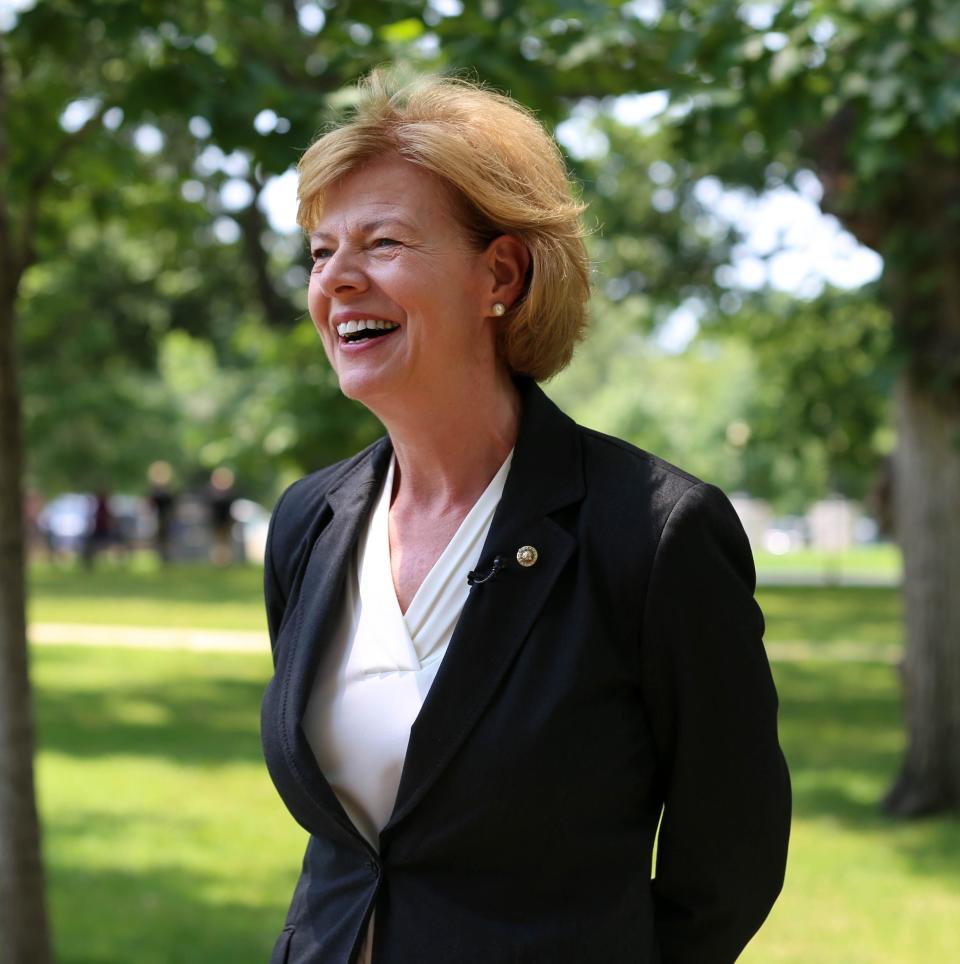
[(166, 842), (882, 559), (194, 596), (860, 889), (870, 615)]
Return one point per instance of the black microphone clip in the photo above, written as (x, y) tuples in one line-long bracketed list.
[(474, 578)]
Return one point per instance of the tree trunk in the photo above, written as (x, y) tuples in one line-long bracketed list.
[(23, 922), (927, 515)]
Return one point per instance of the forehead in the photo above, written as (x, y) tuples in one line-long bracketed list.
[(383, 190)]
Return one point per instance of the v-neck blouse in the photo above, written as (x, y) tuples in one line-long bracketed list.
[(380, 665)]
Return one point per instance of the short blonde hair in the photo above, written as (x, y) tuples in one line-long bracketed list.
[(508, 176)]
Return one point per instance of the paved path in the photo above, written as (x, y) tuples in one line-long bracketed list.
[(240, 641), (148, 637), (858, 580), (800, 651)]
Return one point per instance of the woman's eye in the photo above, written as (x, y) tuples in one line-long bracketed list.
[(318, 254), (385, 243)]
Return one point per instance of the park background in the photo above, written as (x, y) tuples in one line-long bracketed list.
[(773, 210)]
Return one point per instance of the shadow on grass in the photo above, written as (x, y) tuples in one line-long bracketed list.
[(192, 718), (159, 916), (839, 726), (137, 879), (176, 584), (935, 849), (841, 732), (828, 614)]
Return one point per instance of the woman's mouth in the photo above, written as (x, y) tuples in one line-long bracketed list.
[(365, 329)]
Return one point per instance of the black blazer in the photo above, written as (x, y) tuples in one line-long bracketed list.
[(620, 676)]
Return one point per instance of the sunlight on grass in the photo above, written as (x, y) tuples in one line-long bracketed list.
[(164, 837), (166, 841), (830, 614), (883, 559), (860, 888), (195, 596)]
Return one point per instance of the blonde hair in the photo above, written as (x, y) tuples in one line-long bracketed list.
[(508, 177)]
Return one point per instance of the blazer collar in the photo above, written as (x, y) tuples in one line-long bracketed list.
[(335, 527), (546, 475)]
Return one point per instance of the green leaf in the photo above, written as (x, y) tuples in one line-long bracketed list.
[(403, 31), (886, 126)]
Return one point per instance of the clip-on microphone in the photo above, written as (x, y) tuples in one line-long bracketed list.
[(474, 578)]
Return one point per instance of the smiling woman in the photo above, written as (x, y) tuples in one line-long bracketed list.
[(397, 289), (506, 648)]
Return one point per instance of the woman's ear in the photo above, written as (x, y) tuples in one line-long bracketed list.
[(509, 262)]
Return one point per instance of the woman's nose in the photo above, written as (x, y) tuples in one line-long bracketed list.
[(342, 273)]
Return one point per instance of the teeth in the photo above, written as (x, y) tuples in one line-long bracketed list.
[(352, 327)]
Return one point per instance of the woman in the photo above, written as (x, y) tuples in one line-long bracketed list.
[(504, 645)]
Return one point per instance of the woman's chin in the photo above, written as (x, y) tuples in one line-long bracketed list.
[(364, 386), (368, 372)]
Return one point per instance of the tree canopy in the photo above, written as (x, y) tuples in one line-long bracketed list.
[(143, 139)]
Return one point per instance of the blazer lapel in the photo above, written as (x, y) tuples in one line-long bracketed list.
[(546, 475), (314, 624)]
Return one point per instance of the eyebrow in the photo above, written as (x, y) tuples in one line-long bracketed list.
[(366, 228)]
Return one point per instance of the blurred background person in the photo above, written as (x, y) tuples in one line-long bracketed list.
[(220, 498), (164, 503), (101, 532)]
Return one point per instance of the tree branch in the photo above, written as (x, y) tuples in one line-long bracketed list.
[(276, 309), (40, 182)]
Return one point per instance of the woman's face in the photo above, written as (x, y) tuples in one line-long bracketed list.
[(390, 259)]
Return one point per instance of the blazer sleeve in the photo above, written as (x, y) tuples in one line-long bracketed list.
[(275, 578), (712, 706)]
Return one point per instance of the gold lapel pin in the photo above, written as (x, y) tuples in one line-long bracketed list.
[(527, 556)]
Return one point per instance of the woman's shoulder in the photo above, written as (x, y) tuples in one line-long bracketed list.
[(634, 497), (614, 462), (624, 486)]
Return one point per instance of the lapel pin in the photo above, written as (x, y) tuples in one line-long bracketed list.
[(527, 556)]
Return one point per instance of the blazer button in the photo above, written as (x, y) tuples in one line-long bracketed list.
[(527, 556)]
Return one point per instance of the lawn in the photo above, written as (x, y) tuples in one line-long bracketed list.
[(860, 889), (166, 842), (142, 594), (869, 562)]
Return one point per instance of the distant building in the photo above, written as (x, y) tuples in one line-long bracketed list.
[(833, 523), (756, 517)]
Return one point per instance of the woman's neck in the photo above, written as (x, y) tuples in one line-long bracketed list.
[(449, 448)]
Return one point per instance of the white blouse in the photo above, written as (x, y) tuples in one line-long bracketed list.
[(381, 663)]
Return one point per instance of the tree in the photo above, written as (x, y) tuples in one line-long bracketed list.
[(867, 96), (23, 926), (817, 421)]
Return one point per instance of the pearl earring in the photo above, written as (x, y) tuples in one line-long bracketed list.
[(499, 308)]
